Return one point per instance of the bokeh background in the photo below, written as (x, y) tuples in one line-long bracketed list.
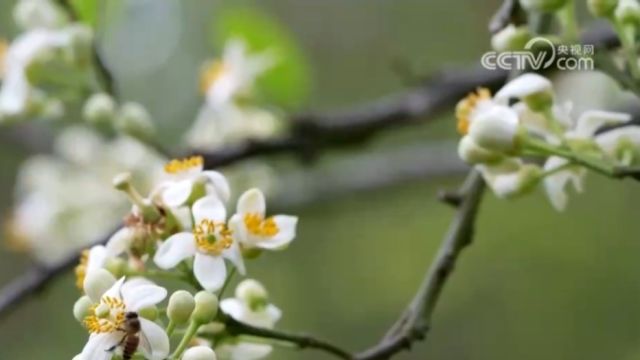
[(536, 284)]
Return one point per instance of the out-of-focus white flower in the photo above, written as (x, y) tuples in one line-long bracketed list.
[(254, 229), (535, 90), (209, 243), (623, 144), (199, 353), (251, 306), (26, 60), (228, 124), (108, 316), (234, 74), (64, 201), (185, 178), (555, 184), (33, 14), (510, 38), (510, 177)]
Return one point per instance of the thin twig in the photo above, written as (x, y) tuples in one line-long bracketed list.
[(415, 322), (235, 328)]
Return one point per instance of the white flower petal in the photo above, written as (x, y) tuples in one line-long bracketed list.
[(142, 296), (523, 86), (555, 184), (209, 207), (154, 342), (175, 249), (210, 271), (239, 230), (115, 290), (235, 256), (273, 312), (177, 193), (590, 121), (233, 307), (220, 184), (97, 258), (120, 241), (250, 351), (287, 232), (252, 201), (98, 344), (610, 140)]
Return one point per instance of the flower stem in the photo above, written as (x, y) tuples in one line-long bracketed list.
[(171, 327), (186, 339), (567, 17), (588, 162)]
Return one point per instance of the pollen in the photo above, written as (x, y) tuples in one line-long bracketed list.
[(113, 322), (212, 237), (467, 105), (81, 269), (180, 165), (257, 225), (212, 73)]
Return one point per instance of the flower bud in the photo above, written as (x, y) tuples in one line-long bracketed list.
[(535, 90), (602, 8), (206, 307), (134, 119), (199, 353), (97, 282), (149, 313), (253, 293), (33, 14), (116, 266), (99, 109), (510, 38), (81, 44), (543, 5), (181, 306), (496, 130), (628, 12), (471, 153), (82, 307)]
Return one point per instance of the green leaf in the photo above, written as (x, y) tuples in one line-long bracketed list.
[(286, 83), (87, 11)]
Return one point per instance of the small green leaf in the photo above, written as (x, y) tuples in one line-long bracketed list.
[(286, 83)]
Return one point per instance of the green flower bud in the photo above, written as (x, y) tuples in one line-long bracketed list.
[(149, 313), (511, 38), (99, 109), (97, 282), (628, 12), (81, 44), (181, 306), (543, 5), (602, 8), (199, 353), (116, 266), (81, 308), (471, 153), (253, 293), (134, 119), (206, 307)]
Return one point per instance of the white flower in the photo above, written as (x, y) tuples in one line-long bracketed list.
[(249, 306), (108, 316), (230, 123), (496, 129), (510, 177), (199, 353), (65, 201), (33, 14), (590, 121), (90, 260), (209, 243), (555, 184), (254, 230), (234, 74), (622, 143), (538, 124), (185, 176), (535, 90)]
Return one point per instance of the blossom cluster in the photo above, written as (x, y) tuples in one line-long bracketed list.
[(523, 135), (182, 231)]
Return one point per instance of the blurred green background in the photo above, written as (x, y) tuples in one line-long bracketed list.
[(536, 284)]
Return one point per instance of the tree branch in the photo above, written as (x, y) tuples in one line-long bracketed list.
[(416, 320)]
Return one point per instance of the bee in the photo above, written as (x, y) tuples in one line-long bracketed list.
[(131, 339)]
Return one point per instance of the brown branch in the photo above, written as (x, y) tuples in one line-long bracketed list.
[(416, 320)]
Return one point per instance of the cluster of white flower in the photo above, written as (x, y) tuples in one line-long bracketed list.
[(180, 231), (49, 61), (229, 113), (64, 201), (498, 134)]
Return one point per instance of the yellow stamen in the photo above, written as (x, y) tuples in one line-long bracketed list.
[(113, 322), (212, 237), (4, 46), (81, 269), (257, 225), (179, 165), (466, 106), (15, 237), (211, 74)]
